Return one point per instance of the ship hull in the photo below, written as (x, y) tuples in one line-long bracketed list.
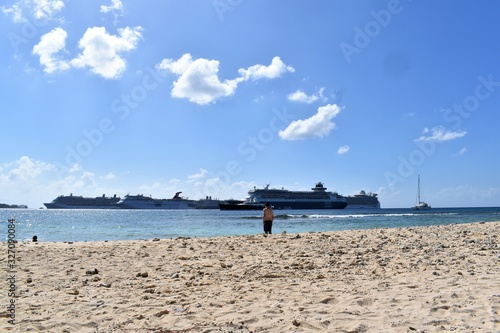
[(83, 206), (159, 204)]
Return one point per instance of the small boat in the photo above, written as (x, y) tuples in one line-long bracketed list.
[(421, 205), (241, 206)]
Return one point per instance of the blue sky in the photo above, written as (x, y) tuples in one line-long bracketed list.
[(214, 97)]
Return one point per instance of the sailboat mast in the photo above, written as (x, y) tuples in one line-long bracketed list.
[(418, 191)]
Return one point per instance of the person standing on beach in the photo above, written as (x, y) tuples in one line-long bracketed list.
[(268, 218)]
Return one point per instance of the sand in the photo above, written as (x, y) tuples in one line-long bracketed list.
[(419, 279)]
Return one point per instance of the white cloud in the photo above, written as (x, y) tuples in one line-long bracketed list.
[(101, 51), (198, 79), (16, 12), (75, 168), (46, 8), (273, 71), (26, 169), (86, 180), (440, 134), (318, 125), (116, 6), (342, 150), (109, 176), (39, 9), (198, 175), (50, 44), (302, 97), (462, 151)]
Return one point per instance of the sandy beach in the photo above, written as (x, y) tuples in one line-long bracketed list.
[(419, 279)]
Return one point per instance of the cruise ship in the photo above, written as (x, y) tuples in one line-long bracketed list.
[(317, 198), (362, 200), (144, 202), (78, 202)]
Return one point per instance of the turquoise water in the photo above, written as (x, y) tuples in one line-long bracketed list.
[(99, 225)]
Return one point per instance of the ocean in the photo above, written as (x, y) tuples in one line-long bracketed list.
[(63, 225)]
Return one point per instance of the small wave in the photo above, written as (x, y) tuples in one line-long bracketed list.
[(277, 217), (343, 216), (290, 216), (251, 217)]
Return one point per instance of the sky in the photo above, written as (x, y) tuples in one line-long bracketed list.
[(214, 97)]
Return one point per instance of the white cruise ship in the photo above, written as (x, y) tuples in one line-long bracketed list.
[(79, 202), (144, 202)]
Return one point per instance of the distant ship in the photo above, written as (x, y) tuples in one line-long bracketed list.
[(362, 200), (317, 198), (143, 202), (421, 205), (78, 202), (207, 203), (2, 206)]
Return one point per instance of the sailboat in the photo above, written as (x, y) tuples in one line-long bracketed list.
[(421, 205)]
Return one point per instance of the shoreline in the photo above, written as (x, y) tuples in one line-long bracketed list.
[(415, 279)]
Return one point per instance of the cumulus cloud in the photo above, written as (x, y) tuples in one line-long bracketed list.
[(199, 175), (273, 71), (319, 125), (302, 97), (440, 134), (46, 8), (198, 79), (26, 169), (101, 51), (342, 150), (39, 9), (50, 45)]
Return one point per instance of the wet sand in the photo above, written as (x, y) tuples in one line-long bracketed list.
[(419, 279)]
